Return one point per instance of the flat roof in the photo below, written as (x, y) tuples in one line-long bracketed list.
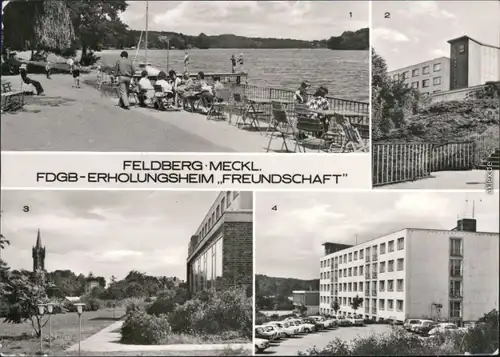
[(418, 229), (418, 64), (471, 39)]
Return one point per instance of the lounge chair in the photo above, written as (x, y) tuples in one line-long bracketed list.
[(352, 141), (281, 125)]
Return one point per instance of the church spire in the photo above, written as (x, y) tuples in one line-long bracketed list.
[(38, 253), (38, 239)]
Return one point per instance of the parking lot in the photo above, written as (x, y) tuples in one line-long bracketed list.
[(290, 346)]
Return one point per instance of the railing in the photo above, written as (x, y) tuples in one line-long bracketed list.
[(393, 163), (455, 295), (455, 273), (289, 95), (455, 253)]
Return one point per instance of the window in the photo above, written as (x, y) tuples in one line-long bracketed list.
[(228, 198), (456, 267), (390, 285), (360, 286), (350, 271), (436, 81), (381, 285), (361, 254), (405, 75), (461, 49), (360, 270), (399, 305), (437, 67), (425, 83), (350, 286), (367, 251), (217, 212), (455, 289), (356, 255), (391, 246), (355, 286), (367, 286), (390, 304), (456, 247), (425, 70), (381, 304), (455, 309), (401, 264), (399, 285), (210, 223), (401, 243), (395, 77), (345, 258), (345, 301), (382, 267), (355, 271), (340, 287), (222, 205), (213, 218), (345, 286), (350, 257), (382, 248), (340, 273), (390, 267), (414, 73), (340, 260)]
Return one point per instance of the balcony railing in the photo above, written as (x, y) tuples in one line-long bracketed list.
[(374, 258), (367, 275), (456, 273), (374, 275), (456, 252), (455, 294)]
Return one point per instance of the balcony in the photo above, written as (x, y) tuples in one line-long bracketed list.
[(367, 259), (374, 275), (374, 258), (456, 295), (455, 253), (374, 293), (367, 275), (456, 273)]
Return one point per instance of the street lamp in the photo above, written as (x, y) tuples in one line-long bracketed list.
[(50, 310), (79, 310), (41, 312)]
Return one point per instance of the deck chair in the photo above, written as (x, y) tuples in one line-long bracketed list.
[(239, 106), (352, 140), (308, 124), (282, 127), (220, 102)]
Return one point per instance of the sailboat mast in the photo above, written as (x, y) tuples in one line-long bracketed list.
[(146, 36)]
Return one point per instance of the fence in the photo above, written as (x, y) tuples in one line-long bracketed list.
[(393, 163), (288, 95)]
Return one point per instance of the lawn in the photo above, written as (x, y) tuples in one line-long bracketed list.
[(227, 352), (19, 338)]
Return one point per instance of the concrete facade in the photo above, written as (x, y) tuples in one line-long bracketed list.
[(220, 253), (448, 275), (428, 77), (307, 298)]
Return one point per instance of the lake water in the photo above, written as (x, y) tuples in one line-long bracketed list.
[(344, 73)]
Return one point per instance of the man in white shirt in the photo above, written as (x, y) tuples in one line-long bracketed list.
[(146, 90), (70, 63), (167, 89)]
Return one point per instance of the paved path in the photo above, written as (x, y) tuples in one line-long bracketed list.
[(450, 180), (107, 340), (70, 119)]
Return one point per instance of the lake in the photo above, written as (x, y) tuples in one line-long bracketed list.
[(344, 73)]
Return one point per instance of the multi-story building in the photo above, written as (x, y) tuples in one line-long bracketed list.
[(472, 63), (220, 252), (428, 77), (414, 273), (307, 298)]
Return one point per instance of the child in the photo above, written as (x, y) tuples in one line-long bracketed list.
[(76, 75), (48, 69)]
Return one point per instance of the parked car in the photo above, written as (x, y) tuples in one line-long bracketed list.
[(443, 327), (284, 328), (279, 330), (410, 323), (424, 327), (295, 322), (260, 345), (331, 321), (342, 321), (356, 321), (265, 332), (319, 321)]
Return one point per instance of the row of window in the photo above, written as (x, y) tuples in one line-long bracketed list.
[(358, 286), (436, 81), (358, 271), (416, 72), (383, 248), (382, 303), (221, 207), (206, 270)]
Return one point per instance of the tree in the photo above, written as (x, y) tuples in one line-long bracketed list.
[(3, 242), (356, 303), (202, 41), (22, 296), (336, 306)]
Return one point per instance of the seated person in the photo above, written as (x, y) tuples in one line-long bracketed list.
[(318, 101), (176, 82), (301, 93), (187, 90), (23, 71), (218, 85), (145, 89), (204, 91), (166, 86)]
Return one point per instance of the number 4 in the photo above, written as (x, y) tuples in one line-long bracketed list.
[(275, 208)]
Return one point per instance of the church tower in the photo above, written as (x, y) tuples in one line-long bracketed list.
[(38, 255)]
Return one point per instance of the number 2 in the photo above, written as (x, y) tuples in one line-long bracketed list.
[(387, 15)]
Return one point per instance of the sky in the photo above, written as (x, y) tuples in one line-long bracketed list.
[(302, 20), (418, 31), (288, 240), (104, 232)]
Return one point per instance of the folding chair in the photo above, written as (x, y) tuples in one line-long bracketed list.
[(220, 102), (307, 123), (240, 105), (159, 98), (281, 125), (352, 140), (6, 87)]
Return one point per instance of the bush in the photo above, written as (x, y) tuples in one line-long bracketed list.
[(135, 306), (89, 58), (214, 313), (92, 304), (142, 329)]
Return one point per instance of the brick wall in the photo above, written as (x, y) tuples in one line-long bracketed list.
[(238, 255)]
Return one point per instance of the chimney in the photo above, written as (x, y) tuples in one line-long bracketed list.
[(466, 225)]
